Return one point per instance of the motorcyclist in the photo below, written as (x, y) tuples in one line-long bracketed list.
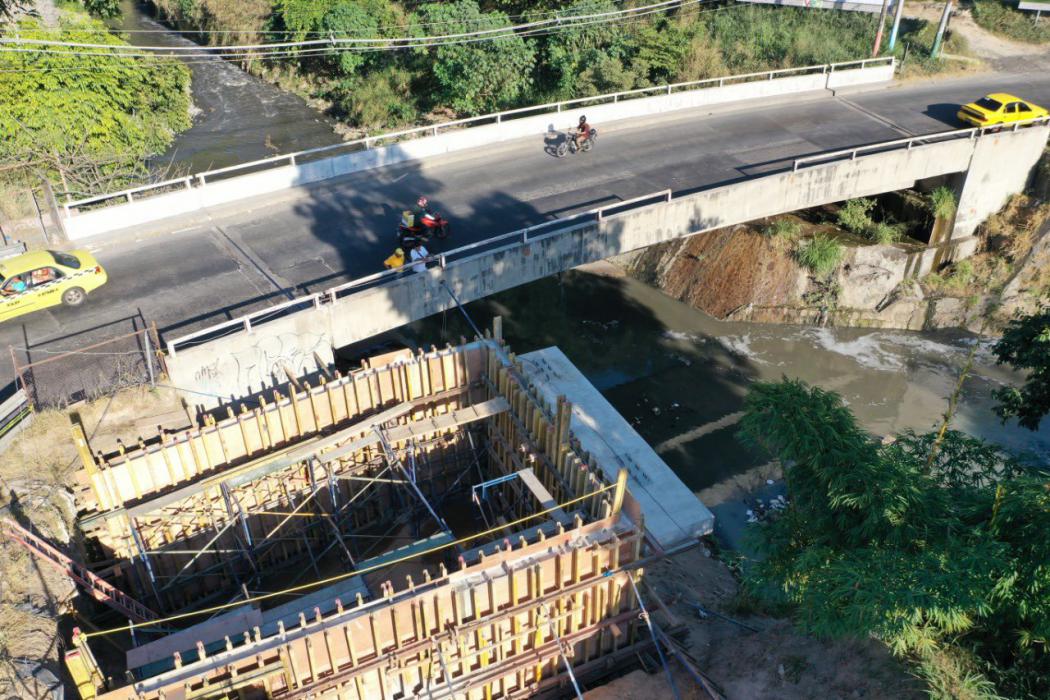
[(421, 210), (583, 130)]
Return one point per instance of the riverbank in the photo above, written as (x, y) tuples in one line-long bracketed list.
[(760, 272), (237, 117)]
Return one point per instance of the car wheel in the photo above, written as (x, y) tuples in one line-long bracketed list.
[(74, 296)]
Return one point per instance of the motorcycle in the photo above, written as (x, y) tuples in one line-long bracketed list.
[(421, 230), (569, 144)]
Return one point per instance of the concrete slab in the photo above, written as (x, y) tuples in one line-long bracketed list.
[(674, 516)]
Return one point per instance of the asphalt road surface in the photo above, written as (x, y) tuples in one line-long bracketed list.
[(195, 272)]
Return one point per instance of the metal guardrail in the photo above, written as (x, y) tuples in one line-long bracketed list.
[(10, 251), (521, 237), (910, 142), (369, 142)]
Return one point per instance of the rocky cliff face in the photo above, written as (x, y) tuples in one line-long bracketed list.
[(741, 274)]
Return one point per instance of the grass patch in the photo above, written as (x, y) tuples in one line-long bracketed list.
[(955, 281), (783, 233), (820, 255), (1005, 20), (952, 674), (885, 233), (942, 202)]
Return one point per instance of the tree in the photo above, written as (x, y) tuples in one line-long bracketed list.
[(362, 19), (106, 9), (87, 118), (598, 48), (885, 541), (474, 77), (1025, 345)]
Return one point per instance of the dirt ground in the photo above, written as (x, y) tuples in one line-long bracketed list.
[(36, 471), (774, 662), (983, 44)]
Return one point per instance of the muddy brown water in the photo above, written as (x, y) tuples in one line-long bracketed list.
[(679, 375), (237, 117)]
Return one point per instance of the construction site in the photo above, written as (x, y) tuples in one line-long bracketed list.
[(461, 522)]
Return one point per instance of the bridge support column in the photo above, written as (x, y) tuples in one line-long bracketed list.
[(1000, 167)]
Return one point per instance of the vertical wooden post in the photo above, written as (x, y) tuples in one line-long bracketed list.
[(618, 493)]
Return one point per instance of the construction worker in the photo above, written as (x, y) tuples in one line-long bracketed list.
[(418, 256), (396, 260)]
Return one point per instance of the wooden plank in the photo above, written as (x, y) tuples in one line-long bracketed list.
[(243, 618), (546, 500)]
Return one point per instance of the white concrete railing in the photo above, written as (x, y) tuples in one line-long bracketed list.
[(456, 256), (909, 143), (522, 237), (371, 142)]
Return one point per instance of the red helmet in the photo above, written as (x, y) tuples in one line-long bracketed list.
[(422, 201)]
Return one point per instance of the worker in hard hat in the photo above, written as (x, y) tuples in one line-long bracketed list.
[(396, 260)]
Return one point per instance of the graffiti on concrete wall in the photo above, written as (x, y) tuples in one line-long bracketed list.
[(251, 364)]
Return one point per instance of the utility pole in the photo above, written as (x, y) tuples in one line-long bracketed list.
[(898, 11), (878, 33), (936, 50)]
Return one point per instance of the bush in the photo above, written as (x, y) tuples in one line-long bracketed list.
[(855, 216), (378, 102), (820, 255), (942, 202)]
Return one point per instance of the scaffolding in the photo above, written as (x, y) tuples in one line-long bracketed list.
[(426, 527)]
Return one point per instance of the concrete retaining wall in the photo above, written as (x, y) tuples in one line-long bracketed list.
[(999, 167), (158, 207), (231, 366)]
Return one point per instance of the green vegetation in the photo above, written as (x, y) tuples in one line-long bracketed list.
[(885, 233), (855, 217), (955, 281), (1005, 19), (388, 89), (942, 202), (84, 120), (820, 255), (934, 544), (1025, 345), (783, 232)]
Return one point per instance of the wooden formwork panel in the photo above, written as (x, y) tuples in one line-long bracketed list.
[(153, 466), (495, 628)]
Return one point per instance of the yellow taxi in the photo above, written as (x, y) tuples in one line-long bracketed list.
[(999, 108), (43, 278)]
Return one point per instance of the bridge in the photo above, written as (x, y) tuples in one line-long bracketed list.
[(986, 167), (224, 261)]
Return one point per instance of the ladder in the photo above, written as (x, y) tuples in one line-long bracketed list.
[(97, 587)]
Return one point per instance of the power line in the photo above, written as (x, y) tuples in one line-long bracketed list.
[(290, 32), (561, 21), (210, 59), (294, 53)]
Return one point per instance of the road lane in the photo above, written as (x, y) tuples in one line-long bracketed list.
[(255, 253)]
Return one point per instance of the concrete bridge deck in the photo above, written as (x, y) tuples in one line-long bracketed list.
[(253, 255)]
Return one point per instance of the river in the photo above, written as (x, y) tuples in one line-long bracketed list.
[(680, 376), (237, 117)]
